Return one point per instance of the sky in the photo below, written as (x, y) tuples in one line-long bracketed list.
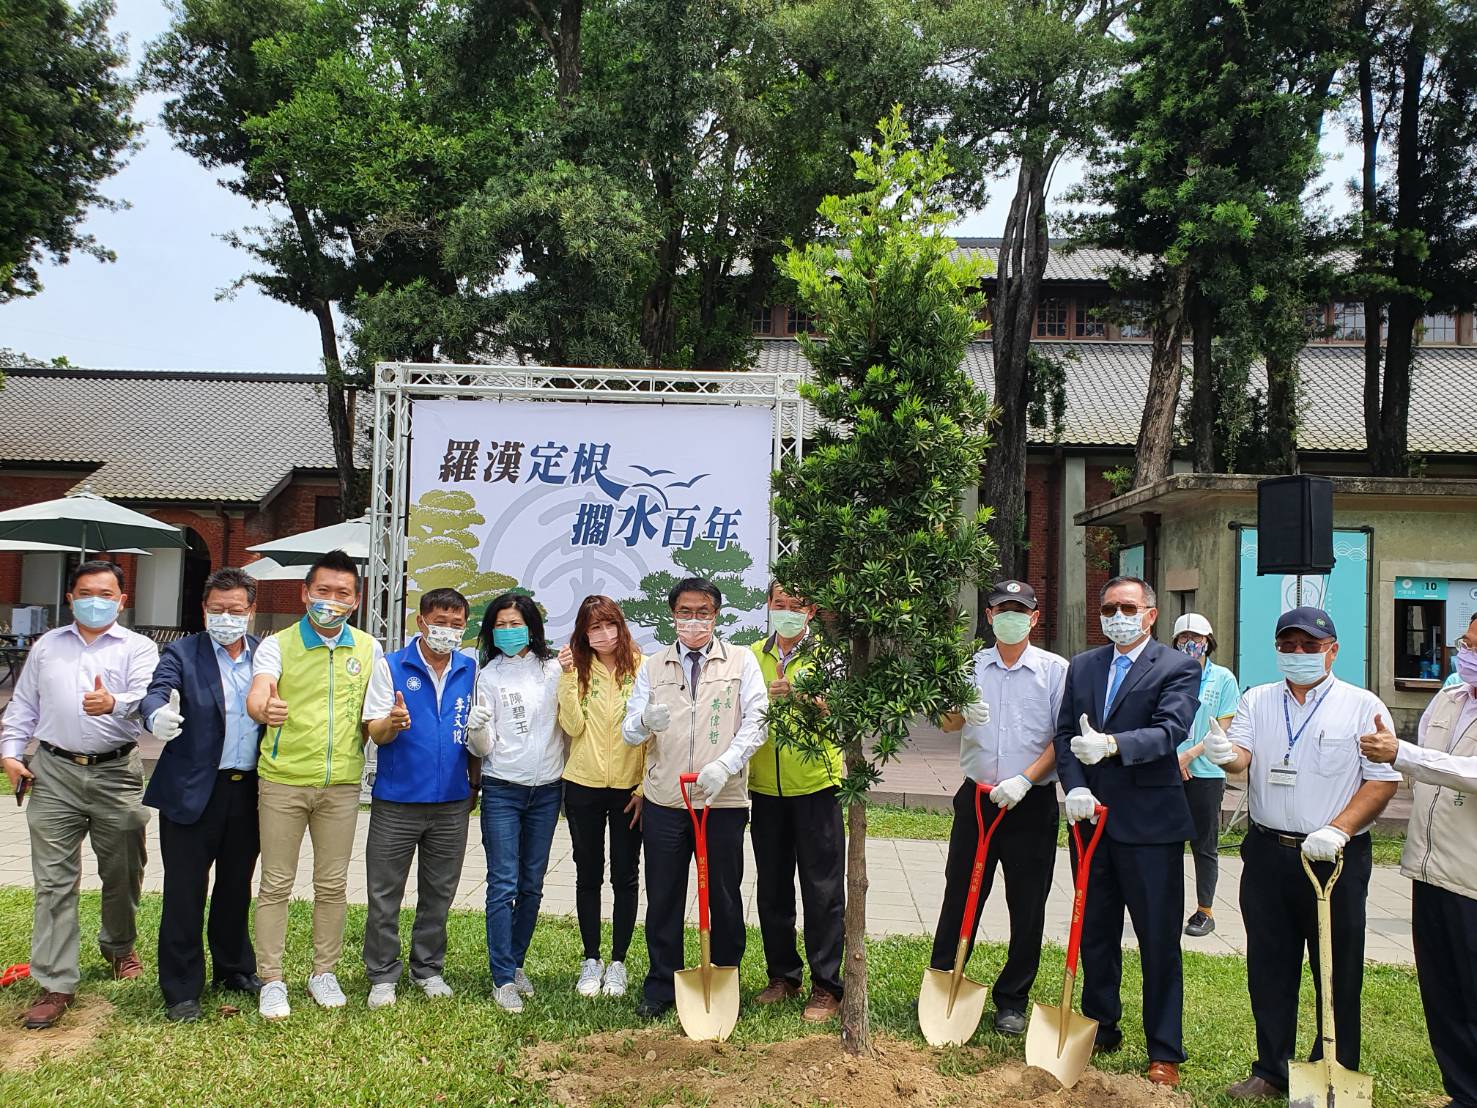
[(160, 305)]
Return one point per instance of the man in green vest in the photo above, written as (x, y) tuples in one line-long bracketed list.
[(307, 687), (796, 824)]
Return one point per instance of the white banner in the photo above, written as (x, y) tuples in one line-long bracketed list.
[(567, 499)]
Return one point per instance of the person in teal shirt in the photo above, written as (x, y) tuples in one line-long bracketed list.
[(1205, 782)]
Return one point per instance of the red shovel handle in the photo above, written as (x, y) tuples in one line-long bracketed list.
[(981, 851), (700, 848), (1084, 868)]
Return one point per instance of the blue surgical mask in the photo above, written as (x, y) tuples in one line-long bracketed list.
[(328, 614), (1302, 669), (510, 640), (94, 611)]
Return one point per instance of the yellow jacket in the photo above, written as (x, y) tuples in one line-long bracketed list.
[(598, 757)]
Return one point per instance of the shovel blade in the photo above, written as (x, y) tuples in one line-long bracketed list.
[(1044, 1036), (942, 1027), (1326, 1084), (707, 1015)]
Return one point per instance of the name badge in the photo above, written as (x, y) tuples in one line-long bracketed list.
[(1283, 775)]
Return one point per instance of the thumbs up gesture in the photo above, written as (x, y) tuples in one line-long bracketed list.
[(1218, 746), (98, 702), (1090, 746), (276, 707), (1380, 745), (400, 714), (168, 722), (566, 658)]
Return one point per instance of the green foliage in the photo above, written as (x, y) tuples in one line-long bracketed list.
[(64, 127), (1120, 479), (871, 514), (725, 568), (440, 541)]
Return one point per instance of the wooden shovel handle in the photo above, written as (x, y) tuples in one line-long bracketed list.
[(1079, 899), (981, 851), (700, 848)]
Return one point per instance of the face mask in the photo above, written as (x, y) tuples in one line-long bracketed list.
[(1123, 629), (1196, 650), (94, 611), (442, 640), (1466, 666), (328, 614), (603, 642), (787, 625), (694, 632), (510, 640), (1302, 669), (225, 628), (1011, 627)]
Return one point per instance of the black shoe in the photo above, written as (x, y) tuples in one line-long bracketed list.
[(1107, 1041), (652, 1009), (240, 983), (1200, 924), (1010, 1022), (186, 1011)]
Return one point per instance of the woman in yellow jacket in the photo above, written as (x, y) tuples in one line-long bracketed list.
[(602, 784)]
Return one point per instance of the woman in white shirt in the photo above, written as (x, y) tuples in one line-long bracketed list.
[(514, 728)]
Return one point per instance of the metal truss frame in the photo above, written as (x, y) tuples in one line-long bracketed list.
[(398, 384)]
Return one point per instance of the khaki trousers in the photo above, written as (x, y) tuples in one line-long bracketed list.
[(328, 814)]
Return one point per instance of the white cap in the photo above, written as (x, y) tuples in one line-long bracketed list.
[(1194, 623)]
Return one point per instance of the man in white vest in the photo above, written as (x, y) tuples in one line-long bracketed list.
[(1440, 858), (699, 707)]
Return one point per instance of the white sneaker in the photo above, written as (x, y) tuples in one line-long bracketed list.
[(508, 999), (522, 983), (434, 987), (324, 988), (615, 979), (272, 1001), (380, 996), (590, 971)]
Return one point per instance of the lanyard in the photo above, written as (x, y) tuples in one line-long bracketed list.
[(1287, 719)]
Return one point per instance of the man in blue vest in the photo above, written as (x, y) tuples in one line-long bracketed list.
[(418, 708)]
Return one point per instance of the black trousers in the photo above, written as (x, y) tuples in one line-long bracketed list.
[(1149, 880), (1025, 845), (589, 812), (1281, 913), (1444, 928), (667, 836), (1204, 795), (804, 834), (225, 836)]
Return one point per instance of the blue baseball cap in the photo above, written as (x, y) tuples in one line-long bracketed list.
[(1315, 621)]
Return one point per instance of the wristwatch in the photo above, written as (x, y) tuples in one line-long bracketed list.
[(1112, 747)]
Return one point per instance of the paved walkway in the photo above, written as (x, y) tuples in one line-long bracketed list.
[(906, 878)]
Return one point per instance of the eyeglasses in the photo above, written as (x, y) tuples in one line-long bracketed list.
[(1129, 610), (1465, 643), (1302, 646), (694, 613)]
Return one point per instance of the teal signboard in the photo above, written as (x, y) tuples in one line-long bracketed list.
[(1131, 561), (1420, 588)]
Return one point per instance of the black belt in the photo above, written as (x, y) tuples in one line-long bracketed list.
[(1284, 838), (236, 774), (89, 759)]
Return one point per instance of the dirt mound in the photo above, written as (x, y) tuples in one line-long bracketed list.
[(21, 1049), (656, 1068)]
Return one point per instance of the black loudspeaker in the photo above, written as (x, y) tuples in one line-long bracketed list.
[(1294, 525)]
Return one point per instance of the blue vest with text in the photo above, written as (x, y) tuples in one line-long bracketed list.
[(427, 764)]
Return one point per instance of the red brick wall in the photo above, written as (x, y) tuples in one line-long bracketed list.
[(1099, 553), (1043, 508), (15, 492)]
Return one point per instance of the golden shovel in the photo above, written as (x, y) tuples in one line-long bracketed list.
[(1059, 1040), (1325, 1083), (707, 997), (949, 1004)]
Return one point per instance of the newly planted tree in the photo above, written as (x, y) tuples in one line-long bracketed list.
[(871, 515)]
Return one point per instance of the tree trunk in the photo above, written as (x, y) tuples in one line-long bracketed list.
[(658, 318), (856, 1027), (338, 413), (1161, 404), (568, 60), (1282, 385), (1369, 195), (1203, 401)]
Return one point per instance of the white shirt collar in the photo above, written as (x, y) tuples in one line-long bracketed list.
[(1027, 660)]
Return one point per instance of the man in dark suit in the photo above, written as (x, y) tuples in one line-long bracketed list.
[(205, 789), (1125, 710)]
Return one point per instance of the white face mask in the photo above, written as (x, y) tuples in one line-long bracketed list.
[(225, 627), (1123, 629), (442, 640)]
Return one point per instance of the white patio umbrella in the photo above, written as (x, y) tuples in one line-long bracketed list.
[(19, 546), (84, 521), (269, 569), (303, 549)]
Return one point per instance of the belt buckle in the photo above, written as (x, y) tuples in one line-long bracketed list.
[(238, 777), (79, 759)]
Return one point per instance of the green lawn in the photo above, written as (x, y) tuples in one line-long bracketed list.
[(465, 1051)]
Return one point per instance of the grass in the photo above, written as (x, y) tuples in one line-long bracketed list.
[(465, 1051)]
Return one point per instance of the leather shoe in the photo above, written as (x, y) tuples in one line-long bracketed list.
[(1010, 1022), (1164, 1073), (652, 1010), (821, 1006), (126, 967), (1254, 1088), (186, 1011), (1107, 1040), (777, 990), (240, 983), (46, 1011)]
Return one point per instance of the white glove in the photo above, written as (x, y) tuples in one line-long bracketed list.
[(478, 717), (1091, 746), (1218, 746), (977, 714), (1324, 844), (656, 717), (1011, 791), (710, 781), (479, 730), (1081, 804), (167, 720)]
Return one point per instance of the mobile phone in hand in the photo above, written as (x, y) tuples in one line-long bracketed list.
[(20, 790)]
